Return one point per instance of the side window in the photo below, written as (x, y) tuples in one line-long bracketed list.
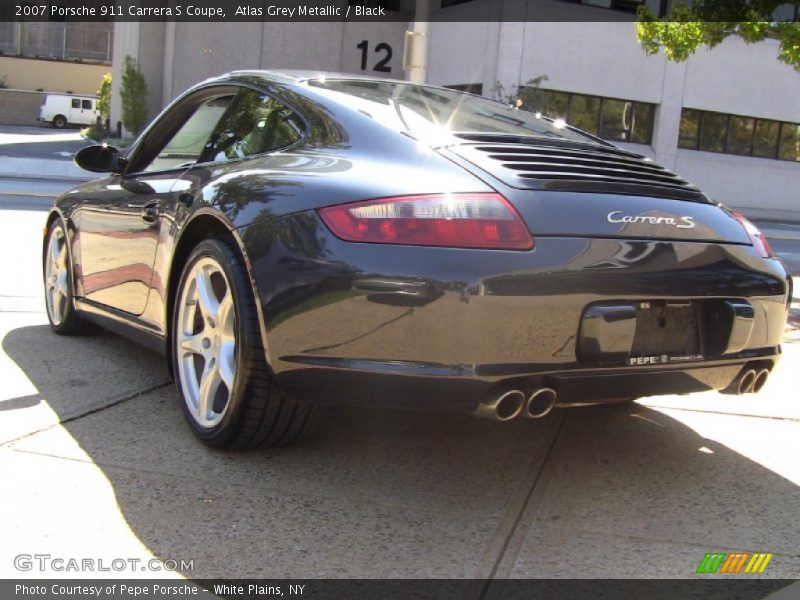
[(87, 104), (76, 103), (256, 123), (187, 144)]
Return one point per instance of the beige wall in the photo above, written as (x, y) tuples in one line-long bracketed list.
[(52, 75)]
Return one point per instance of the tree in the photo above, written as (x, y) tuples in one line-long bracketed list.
[(709, 22), (104, 98), (133, 92)]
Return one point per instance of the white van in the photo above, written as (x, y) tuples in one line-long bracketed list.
[(63, 109)]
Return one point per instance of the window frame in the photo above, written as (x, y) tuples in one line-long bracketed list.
[(301, 139), (777, 151), (726, 145), (601, 111), (780, 135), (164, 127)]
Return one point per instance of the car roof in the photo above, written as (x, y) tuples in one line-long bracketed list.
[(301, 75)]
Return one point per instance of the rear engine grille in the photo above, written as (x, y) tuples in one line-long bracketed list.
[(544, 162)]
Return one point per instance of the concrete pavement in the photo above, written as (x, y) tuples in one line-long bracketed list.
[(93, 446)]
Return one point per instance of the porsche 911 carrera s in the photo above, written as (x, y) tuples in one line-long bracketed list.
[(296, 240)]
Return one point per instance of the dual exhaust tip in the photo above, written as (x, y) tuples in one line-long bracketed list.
[(510, 404), (513, 403), (750, 381)]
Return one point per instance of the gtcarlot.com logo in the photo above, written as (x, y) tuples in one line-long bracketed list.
[(58, 564)]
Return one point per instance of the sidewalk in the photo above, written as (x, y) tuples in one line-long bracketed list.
[(778, 231), (39, 168)]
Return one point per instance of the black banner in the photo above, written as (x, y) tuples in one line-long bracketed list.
[(390, 10), (740, 588)]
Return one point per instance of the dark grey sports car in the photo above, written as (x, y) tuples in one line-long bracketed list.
[(295, 240)]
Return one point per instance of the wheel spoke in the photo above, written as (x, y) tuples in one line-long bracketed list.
[(55, 251), (205, 294), (62, 256), (192, 344), (209, 384), (226, 315), (62, 283), (227, 363), (59, 300)]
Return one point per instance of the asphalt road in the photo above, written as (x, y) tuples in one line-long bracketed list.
[(789, 252), (43, 142), (100, 464)]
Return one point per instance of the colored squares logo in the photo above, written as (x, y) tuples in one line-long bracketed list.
[(735, 563)]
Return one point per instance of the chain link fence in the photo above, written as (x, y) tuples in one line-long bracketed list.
[(66, 40)]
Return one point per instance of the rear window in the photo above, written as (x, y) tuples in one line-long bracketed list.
[(76, 103), (427, 112), (254, 124)]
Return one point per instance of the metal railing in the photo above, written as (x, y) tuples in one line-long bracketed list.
[(65, 41)]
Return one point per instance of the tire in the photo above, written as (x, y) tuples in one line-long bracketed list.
[(58, 285), (225, 387), (59, 121)]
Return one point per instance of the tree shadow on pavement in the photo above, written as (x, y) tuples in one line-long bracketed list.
[(396, 494)]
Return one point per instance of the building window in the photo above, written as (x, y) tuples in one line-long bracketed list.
[(789, 145), (608, 118), (765, 143), (735, 134), (690, 128), (472, 88)]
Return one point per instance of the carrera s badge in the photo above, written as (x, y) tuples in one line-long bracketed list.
[(681, 222)]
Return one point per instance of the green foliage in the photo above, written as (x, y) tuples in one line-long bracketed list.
[(708, 23), (527, 96), (104, 97), (133, 92), (94, 132), (530, 95)]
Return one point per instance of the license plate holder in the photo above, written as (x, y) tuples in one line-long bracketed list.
[(666, 331)]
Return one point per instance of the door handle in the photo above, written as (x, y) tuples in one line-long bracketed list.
[(150, 212)]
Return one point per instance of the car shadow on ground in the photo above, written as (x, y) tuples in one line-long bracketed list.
[(399, 494)]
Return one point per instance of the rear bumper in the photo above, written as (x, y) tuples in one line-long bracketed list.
[(409, 386), (378, 325)]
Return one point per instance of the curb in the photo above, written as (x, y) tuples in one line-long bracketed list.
[(31, 194), (65, 178)]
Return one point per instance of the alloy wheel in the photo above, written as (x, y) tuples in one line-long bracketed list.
[(206, 342), (56, 276)]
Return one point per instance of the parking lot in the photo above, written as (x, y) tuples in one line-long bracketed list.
[(96, 462)]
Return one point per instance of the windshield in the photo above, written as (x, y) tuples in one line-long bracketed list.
[(430, 113)]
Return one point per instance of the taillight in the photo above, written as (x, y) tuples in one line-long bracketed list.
[(452, 220), (758, 239)]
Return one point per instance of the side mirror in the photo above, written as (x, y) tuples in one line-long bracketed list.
[(100, 159)]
